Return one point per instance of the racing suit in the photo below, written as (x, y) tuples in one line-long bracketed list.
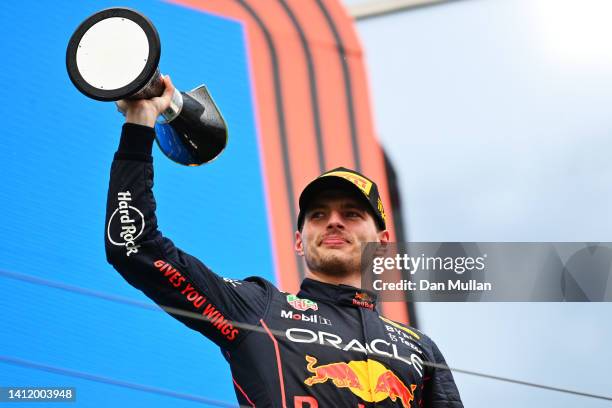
[(327, 346)]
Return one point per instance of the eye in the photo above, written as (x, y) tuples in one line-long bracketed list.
[(316, 214), (353, 214)]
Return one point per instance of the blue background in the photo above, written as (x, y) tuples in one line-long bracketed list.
[(56, 150)]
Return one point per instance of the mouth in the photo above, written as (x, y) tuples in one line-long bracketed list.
[(334, 241)]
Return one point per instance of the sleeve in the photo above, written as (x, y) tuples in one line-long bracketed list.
[(440, 389), (150, 262)]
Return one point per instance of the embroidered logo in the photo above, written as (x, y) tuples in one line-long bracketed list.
[(301, 304)]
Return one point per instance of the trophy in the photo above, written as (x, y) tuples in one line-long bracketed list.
[(114, 54)]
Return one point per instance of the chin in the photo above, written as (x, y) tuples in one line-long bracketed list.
[(333, 265)]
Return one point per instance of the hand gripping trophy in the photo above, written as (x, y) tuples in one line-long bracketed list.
[(114, 54)]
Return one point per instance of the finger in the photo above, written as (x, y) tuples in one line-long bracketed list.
[(164, 100), (121, 106), (169, 90)]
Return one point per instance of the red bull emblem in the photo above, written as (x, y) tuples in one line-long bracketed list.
[(341, 374), (390, 384), (301, 304), (363, 296), (362, 299), (370, 380)]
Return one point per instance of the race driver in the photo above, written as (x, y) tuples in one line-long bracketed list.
[(326, 346)]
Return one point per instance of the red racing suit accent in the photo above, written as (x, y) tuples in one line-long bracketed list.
[(327, 346)]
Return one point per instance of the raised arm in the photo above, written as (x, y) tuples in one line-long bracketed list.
[(151, 262)]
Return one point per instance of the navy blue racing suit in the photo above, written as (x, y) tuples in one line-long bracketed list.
[(327, 346)]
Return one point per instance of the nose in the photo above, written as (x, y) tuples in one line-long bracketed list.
[(335, 220)]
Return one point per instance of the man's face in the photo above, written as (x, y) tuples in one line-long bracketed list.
[(335, 226)]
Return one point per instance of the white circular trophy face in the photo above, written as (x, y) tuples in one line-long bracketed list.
[(112, 53)]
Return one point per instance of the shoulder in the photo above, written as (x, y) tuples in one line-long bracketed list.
[(256, 286), (263, 283)]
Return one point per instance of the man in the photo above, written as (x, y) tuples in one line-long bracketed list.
[(325, 347)]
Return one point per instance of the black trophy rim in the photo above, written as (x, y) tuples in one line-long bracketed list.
[(134, 86)]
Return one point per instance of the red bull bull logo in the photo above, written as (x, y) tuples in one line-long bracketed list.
[(363, 296), (370, 380), (390, 384), (341, 374)]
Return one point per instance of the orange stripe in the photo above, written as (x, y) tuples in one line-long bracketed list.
[(279, 364), (298, 115), (330, 85), (337, 132), (269, 137), (372, 160)]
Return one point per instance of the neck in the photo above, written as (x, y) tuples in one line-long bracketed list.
[(351, 280)]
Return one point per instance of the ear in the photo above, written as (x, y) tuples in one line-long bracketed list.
[(384, 236), (299, 245)]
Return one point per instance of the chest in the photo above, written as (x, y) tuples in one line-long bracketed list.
[(351, 346)]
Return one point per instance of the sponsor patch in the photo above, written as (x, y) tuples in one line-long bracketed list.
[(301, 304), (233, 282), (379, 347), (200, 303), (369, 379), (314, 318), (361, 182), (363, 296), (362, 299), (125, 224), (399, 326), (381, 209)]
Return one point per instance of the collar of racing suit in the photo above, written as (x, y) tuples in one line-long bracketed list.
[(339, 294)]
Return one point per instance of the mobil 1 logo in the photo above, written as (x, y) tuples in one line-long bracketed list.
[(313, 318), (125, 224)]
